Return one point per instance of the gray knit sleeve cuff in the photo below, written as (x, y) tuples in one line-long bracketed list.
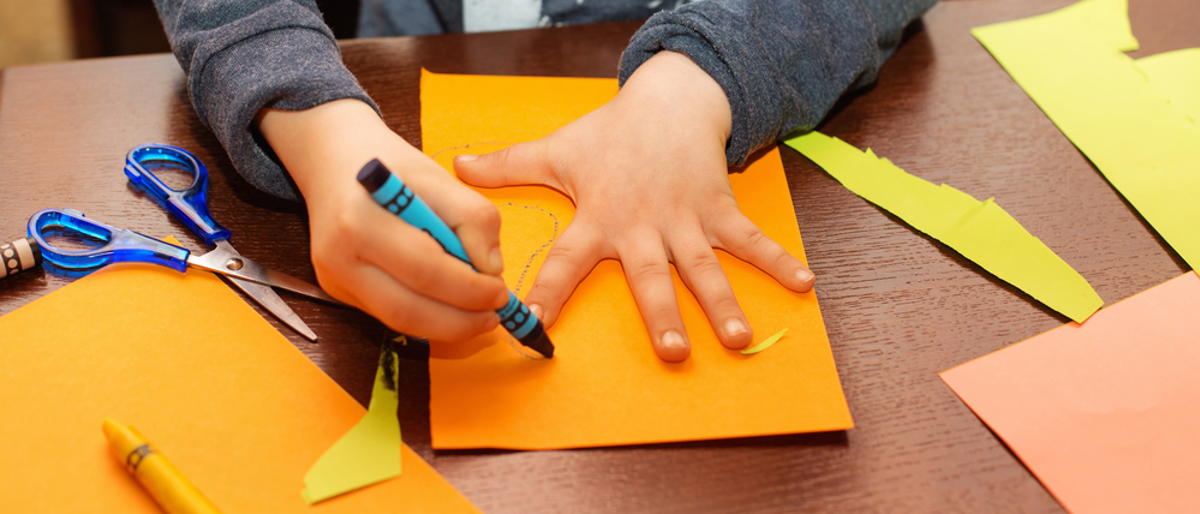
[(687, 35), (290, 68), (783, 64)]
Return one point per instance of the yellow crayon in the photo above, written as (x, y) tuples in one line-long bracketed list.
[(174, 493)]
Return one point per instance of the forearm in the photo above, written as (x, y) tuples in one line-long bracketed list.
[(241, 56), (783, 64)]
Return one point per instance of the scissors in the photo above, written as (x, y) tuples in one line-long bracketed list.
[(190, 205)]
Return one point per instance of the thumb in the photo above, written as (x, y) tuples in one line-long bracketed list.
[(523, 163)]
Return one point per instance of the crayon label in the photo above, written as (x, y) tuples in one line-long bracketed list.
[(135, 457)]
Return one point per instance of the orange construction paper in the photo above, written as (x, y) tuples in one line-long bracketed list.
[(239, 410), (605, 386), (1105, 414)]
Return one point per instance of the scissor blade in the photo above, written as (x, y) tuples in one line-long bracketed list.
[(271, 301), (227, 261)]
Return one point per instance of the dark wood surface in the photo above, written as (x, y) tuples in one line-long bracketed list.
[(899, 307)]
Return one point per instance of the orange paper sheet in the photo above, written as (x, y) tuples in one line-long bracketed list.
[(239, 410), (1105, 414), (605, 386)]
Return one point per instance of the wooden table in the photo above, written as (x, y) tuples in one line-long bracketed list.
[(899, 306)]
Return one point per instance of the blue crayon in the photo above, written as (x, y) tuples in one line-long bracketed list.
[(389, 191)]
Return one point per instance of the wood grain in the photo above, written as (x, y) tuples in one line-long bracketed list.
[(899, 307)]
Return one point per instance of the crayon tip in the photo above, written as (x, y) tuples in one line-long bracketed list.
[(541, 344), (110, 428)]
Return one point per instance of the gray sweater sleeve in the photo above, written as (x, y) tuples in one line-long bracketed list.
[(782, 63), (243, 55)]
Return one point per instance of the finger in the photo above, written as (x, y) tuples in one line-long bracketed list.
[(479, 231), (702, 273), (418, 262), (524, 163), (571, 258), (405, 311), (473, 218), (649, 276), (742, 238)]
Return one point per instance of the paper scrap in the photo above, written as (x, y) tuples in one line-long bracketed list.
[(605, 386), (765, 344), (243, 411), (980, 231), (1105, 414), (1176, 77), (1070, 63), (369, 452)]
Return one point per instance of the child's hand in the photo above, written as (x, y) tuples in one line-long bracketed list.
[(648, 176), (368, 257)]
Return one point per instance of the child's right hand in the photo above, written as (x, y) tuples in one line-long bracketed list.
[(368, 257)]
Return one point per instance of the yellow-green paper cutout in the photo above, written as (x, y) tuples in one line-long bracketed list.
[(1070, 62), (765, 344), (1176, 76), (370, 452), (980, 231)]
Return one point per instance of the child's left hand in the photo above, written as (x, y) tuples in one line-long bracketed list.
[(648, 177)]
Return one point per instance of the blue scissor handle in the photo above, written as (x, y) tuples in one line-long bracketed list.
[(189, 205), (121, 245)]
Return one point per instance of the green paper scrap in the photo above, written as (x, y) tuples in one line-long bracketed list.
[(370, 452), (765, 344), (1176, 76), (980, 231), (1070, 63)]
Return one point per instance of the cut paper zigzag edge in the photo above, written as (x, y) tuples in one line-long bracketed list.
[(980, 231), (1118, 112)]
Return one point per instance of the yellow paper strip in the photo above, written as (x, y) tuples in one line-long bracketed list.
[(1070, 63), (765, 344), (370, 452), (980, 231)]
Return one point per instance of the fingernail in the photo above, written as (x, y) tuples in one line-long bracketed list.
[(805, 276), (672, 340), (466, 157), (672, 347), (502, 299), (734, 327), (536, 310), (495, 260)]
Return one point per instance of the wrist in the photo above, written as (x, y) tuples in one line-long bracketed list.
[(671, 80), (322, 148)]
